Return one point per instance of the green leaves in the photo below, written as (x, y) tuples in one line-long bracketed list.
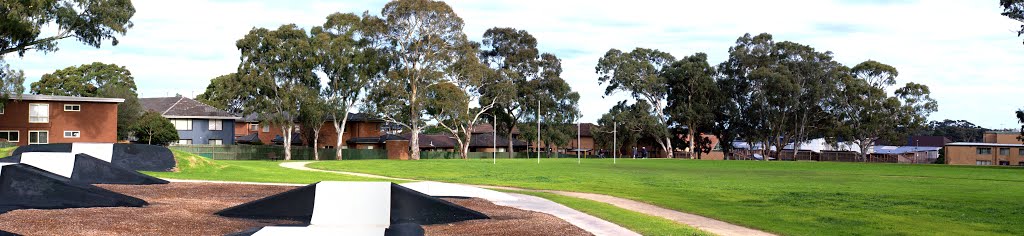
[(90, 22), (152, 128), (1014, 9), (96, 80)]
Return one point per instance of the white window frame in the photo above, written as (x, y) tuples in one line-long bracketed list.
[(218, 140), (37, 138), (17, 133), (187, 142), (73, 132), (73, 105), (30, 105), (266, 128), (218, 127), (188, 123), (254, 127), (2, 110)]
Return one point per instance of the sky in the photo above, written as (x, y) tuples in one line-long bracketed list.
[(968, 54)]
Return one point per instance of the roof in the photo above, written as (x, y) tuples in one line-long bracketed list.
[(296, 139), (902, 149), (820, 144), (928, 141), (374, 140), (488, 128), (488, 140), (434, 140), (251, 138), (254, 118), (183, 107), (985, 144), (1002, 132), (36, 97)]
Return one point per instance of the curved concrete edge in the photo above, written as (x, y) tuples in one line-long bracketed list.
[(697, 221)]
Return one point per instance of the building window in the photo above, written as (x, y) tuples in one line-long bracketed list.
[(72, 134), (216, 125), (72, 107), (1020, 151), (9, 135), (369, 147), (39, 113), (983, 163), (1, 110), (254, 127), (38, 137), (266, 128), (984, 151), (1004, 151), (182, 124), (329, 147), (184, 141), (1004, 163), (216, 142)]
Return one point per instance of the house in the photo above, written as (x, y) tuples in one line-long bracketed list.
[(984, 154), (484, 140), (359, 125), (585, 144), (905, 154), (1003, 137), (197, 123), (42, 119)]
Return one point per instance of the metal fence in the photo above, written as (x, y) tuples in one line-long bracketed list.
[(7, 144), (270, 152)]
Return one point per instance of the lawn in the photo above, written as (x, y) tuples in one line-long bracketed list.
[(6, 152), (195, 167), (637, 222), (791, 198)]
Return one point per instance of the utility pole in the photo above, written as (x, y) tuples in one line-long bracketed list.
[(538, 131), (578, 142), (494, 138), (615, 140)]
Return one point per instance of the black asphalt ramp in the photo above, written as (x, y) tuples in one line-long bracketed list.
[(91, 170), (295, 204), (140, 157), (27, 187)]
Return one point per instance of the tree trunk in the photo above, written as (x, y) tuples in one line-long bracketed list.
[(668, 147), (340, 129), (316, 140), (287, 130), (465, 146), (511, 150), (693, 140)]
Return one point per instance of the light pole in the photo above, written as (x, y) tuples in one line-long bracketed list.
[(615, 140), (578, 142), (494, 139), (538, 131)]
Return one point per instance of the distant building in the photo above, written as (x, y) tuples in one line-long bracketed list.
[(984, 154), (42, 119), (359, 125), (1004, 137), (196, 122)]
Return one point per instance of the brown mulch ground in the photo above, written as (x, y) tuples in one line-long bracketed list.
[(187, 209)]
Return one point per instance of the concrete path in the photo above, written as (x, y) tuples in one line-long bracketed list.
[(592, 224), (700, 222)]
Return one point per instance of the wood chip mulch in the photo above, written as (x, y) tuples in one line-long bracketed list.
[(187, 209)]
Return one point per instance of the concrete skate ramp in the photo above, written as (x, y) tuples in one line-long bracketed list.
[(407, 229), (438, 189), (82, 168), (354, 203), (26, 187), (140, 157)]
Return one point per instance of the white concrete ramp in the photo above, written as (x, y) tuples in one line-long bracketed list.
[(317, 231), (352, 204), (102, 151), (59, 163), (438, 189)]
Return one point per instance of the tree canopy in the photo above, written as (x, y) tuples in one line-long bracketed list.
[(96, 80), (223, 93), (90, 22), (640, 73), (1014, 9), (152, 128)]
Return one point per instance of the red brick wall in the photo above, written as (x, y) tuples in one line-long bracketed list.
[(97, 122)]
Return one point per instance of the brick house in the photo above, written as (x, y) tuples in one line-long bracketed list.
[(42, 119), (196, 122), (359, 125)]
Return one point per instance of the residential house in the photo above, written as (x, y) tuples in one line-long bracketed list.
[(585, 143), (42, 119), (1003, 137), (984, 154), (359, 125), (197, 123), (905, 154), (484, 140)]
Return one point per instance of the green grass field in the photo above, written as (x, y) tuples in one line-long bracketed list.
[(6, 152), (195, 167), (791, 198)]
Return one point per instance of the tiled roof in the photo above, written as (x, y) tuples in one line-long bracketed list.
[(254, 118), (36, 97), (182, 107), (488, 140)]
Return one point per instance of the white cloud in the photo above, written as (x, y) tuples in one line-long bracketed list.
[(964, 50)]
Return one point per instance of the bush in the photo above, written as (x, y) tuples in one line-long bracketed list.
[(152, 128)]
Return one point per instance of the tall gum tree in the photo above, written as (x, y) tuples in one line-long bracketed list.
[(448, 103), (514, 56), (422, 38), (277, 75), (639, 73), (691, 102), (351, 56)]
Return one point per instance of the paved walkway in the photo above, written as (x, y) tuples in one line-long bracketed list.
[(700, 222)]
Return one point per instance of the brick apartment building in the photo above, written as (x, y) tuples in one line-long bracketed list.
[(42, 119)]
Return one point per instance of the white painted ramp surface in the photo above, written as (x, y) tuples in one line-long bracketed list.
[(60, 163), (438, 189), (352, 204), (102, 151), (318, 231)]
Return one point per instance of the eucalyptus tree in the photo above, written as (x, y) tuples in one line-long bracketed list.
[(1020, 119), (449, 103), (90, 22), (314, 112), (633, 122), (351, 55), (422, 38), (691, 97), (557, 102), (514, 56), (96, 80), (277, 74), (639, 73), (867, 113), (815, 77), (222, 93)]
